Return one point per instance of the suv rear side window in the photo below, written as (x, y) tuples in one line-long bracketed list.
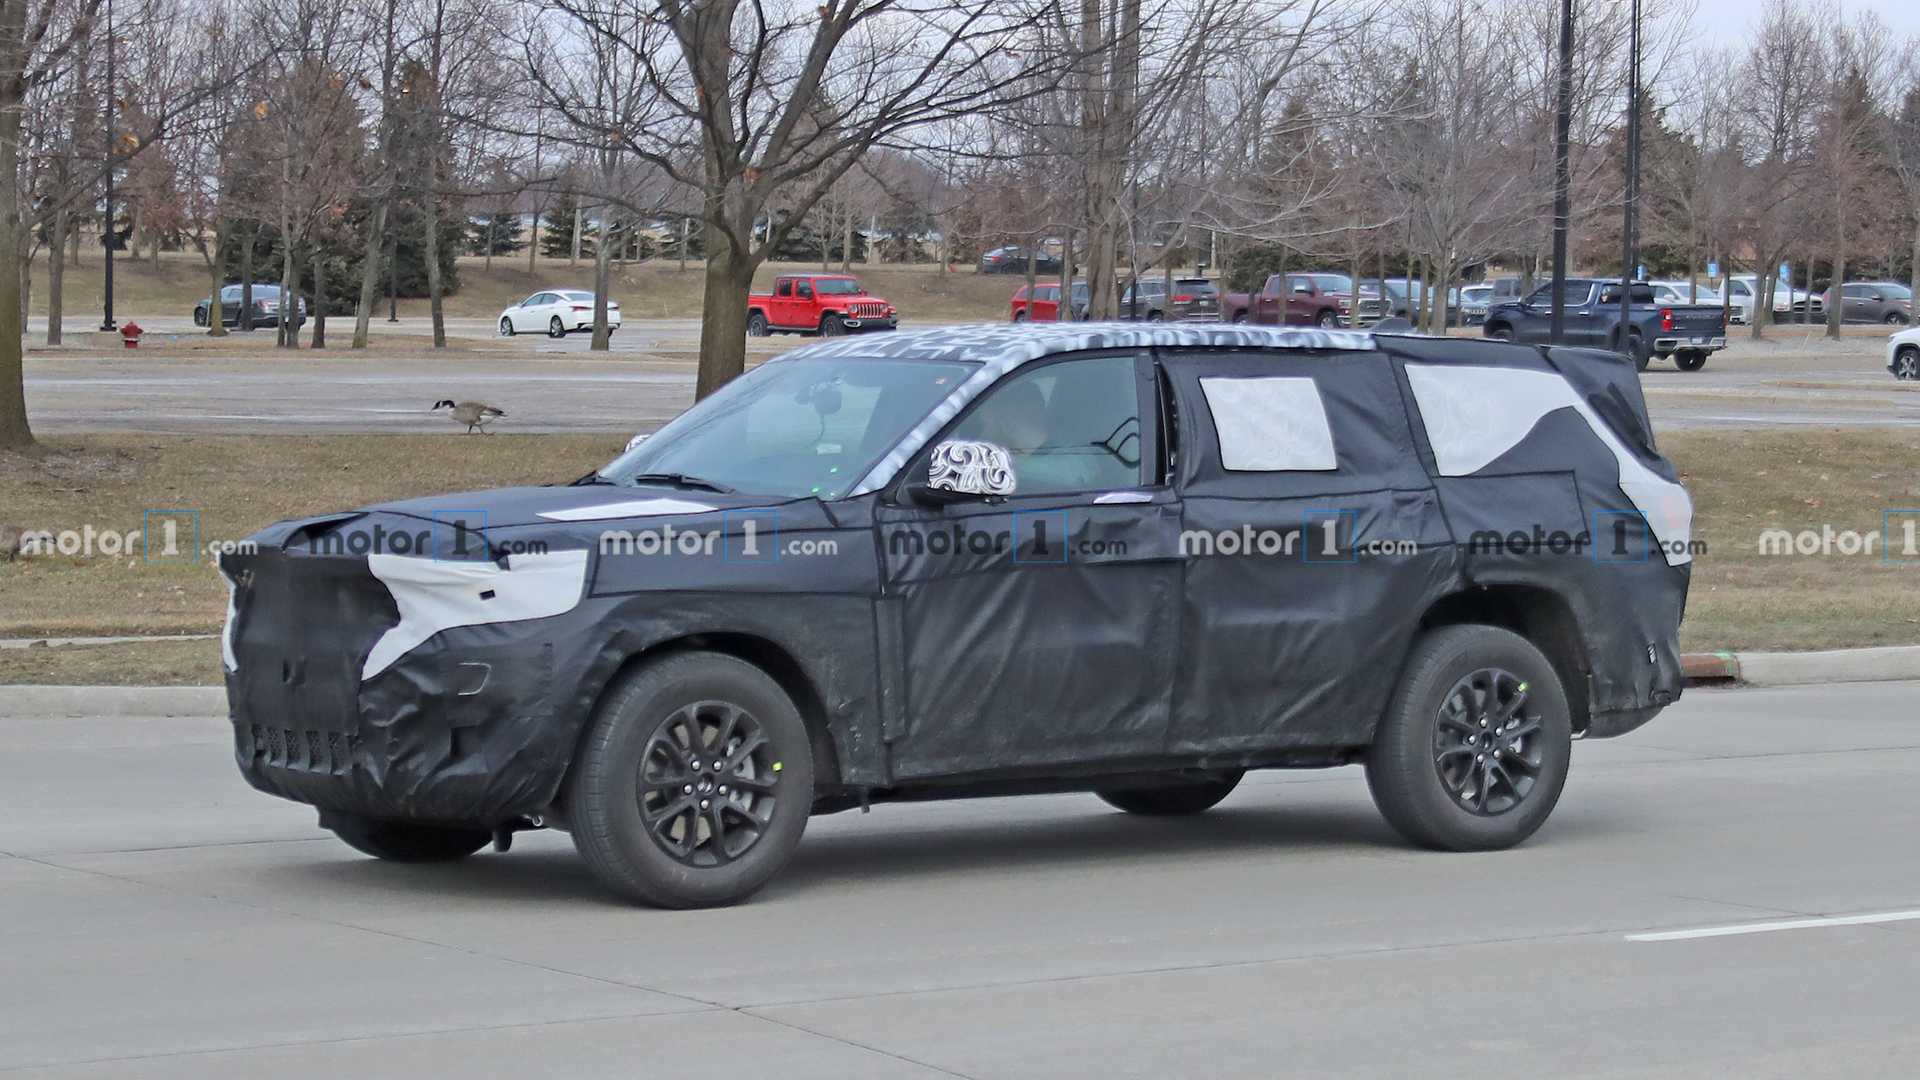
[(1272, 424)]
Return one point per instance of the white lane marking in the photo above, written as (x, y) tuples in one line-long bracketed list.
[(1773, 927)]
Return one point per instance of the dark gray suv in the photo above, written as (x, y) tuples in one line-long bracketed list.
[(1132, 560)]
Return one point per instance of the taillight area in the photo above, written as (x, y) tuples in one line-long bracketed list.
[(583, 307), (1666, 319), (1183, 299)]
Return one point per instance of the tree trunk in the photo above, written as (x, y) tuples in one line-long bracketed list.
[(683, 243), (369, 275), (533, 245), (15, 434), (319, 277), (288, 332), (491, 220), (431, 245), (1836, 309), (846, 241), (216, 324), (56, 278), (723, 314), (602, 333), (574, 259), (245, 320)]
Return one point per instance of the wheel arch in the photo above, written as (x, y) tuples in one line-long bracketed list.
[(1539, 614), (770, 657)]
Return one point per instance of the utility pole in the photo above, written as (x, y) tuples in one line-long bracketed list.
[(106, 318), (1562, 180), (1628, 254)]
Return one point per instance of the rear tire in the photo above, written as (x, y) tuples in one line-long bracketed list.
[(1440, 790), (1175, 799), (1638, 350), (397, 841), (556, 328), (1894, 318), (750, 768), (1690, 360)]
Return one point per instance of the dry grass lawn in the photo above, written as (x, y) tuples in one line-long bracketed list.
[(647, 290), (1743, 481)]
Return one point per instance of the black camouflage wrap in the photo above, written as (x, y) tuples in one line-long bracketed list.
[(1093, 641)]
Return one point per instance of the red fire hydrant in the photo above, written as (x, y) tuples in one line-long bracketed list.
[(130, 334)]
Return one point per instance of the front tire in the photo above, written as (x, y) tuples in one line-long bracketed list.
[(1326, 320), (694, 782), (1176, 798), (1500, 332), (831, 326), (1473, 750), (397, 841), (1690, 360), (757, 325), (1906, 363), (506, 326), (1239, 317)]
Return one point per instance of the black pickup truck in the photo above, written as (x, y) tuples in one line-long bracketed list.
[(1688, 333)]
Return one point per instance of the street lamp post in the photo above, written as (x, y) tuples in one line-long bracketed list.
[(1562, 180), (106, 319), (1627, 246)]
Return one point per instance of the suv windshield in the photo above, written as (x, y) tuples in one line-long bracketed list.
[(836, 286), (795, 427)]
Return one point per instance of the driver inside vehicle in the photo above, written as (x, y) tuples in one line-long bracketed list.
[(1067, 427)]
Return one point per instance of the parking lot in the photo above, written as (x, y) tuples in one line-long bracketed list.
[(1286, 932)]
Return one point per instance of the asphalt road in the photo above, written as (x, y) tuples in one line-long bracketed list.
[(547, 385), (158, 918)]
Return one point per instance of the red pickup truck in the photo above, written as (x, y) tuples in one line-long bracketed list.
[(1305, 299), (824, 304)]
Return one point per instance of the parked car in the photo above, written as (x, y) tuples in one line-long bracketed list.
[(1789, 304), (1687, 332), (557, 313), (987, 560), (1192, 300), (1473, 303), (1903, 354), (1297, 299), (824, 304), (1684, 292), (266, 306), (1886, 302), (1396, 300), (1012, 259), (1044, 305)]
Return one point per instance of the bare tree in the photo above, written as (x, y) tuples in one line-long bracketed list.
[(769, 104)]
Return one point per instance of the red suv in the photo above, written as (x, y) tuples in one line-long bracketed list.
[(1044, 306), (824, 304)]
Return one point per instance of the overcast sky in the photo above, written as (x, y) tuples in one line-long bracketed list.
[(1731, 23)]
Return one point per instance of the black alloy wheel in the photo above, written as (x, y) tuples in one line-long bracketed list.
[(709, 784), (1486, 748)]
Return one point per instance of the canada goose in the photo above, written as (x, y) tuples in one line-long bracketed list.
[(474, 414)]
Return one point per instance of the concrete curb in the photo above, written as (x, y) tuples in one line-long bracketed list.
[(1884, 664), (44, 701)]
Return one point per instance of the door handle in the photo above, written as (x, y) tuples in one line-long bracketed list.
[(1116, 498)]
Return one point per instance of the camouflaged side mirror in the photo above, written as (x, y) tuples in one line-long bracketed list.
[(960, 470)]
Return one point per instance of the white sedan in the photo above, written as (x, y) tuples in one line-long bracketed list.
[(558, 312), (1903, 354)]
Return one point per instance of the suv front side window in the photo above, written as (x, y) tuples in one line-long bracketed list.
[(1069, 427)]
